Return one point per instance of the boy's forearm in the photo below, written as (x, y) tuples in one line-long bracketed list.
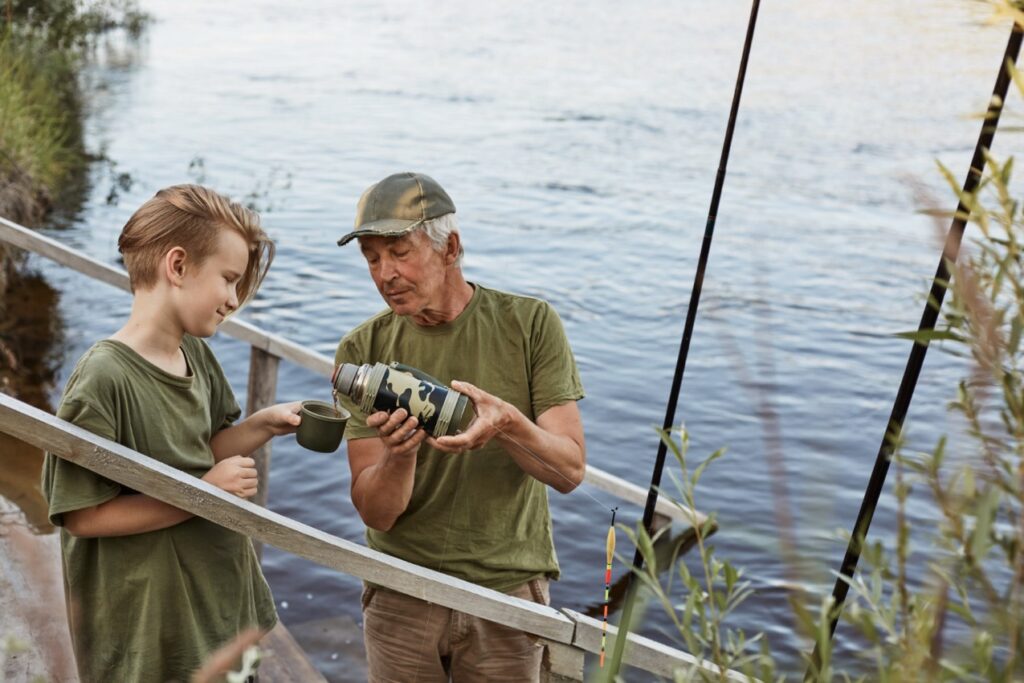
[(240, 439), (122, 516)]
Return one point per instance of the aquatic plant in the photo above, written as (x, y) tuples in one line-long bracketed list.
[(942, 602)]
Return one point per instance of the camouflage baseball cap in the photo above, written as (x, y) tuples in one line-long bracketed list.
[(397, 204)]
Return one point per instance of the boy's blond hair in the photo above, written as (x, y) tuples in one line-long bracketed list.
[(190, 217)]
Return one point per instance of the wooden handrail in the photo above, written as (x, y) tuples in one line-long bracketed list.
[(154, 478), (159, 480), (278, 346), (644, 653)]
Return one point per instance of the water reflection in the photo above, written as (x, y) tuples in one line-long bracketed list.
[(31, 343)]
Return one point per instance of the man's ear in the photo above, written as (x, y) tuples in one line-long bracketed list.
[(452, 249), (174, 265)]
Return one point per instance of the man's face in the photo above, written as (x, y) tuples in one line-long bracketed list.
[(407, 271)]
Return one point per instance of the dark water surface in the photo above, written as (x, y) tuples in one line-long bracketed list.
[(579, 142)]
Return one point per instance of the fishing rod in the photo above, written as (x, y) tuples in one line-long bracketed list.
[(684, 346), (950, 251)]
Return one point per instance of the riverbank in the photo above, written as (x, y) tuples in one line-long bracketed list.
[(43, 165), (42, 52), (36, 642)]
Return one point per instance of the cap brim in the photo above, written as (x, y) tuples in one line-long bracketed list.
[(391, 227)]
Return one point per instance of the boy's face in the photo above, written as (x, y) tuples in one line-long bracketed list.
[(208, 292)]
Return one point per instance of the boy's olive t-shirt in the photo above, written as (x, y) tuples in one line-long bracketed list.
[(151, 606), (476, 516)]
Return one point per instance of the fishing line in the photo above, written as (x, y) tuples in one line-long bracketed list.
[(576, 485), (609, 543)]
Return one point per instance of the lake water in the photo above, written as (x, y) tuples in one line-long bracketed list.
[(579, 142)]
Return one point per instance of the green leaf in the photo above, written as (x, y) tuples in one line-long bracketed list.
[(928, 336), (1015, 331), (700, 468), (981, 536)]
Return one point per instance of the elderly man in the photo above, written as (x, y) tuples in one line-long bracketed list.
[(472, 505)]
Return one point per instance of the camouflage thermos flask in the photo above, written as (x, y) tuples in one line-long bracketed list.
[(441, 410)]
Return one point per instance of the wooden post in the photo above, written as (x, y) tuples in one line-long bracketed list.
[(261, 393), (562, 663)]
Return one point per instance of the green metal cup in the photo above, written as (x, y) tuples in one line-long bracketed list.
[(322, 426)]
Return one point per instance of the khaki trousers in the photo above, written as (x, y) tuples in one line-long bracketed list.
[(412, 641)]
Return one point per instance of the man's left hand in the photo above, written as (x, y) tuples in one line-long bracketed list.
[(492, 416)]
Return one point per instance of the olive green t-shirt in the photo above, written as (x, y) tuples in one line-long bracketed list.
[(476, 516), (151, 606)]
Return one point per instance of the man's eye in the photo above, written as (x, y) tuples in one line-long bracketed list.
[(402, 254)]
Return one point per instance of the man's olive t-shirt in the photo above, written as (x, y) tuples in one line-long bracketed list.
[(476, 516), (151, 606)]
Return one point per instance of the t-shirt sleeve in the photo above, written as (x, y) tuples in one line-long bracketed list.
[(554, 378), (68, 486), (349, 351), (224, 408)]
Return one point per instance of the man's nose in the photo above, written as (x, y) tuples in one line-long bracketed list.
[(388, 271)]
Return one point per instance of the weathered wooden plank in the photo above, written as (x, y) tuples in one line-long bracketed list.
[(562, 663), (643, 653), (32, 610), (283, 661), (261, 392), (628, 491), (23, 238), (156, 479), (279, 346), (29, 240)]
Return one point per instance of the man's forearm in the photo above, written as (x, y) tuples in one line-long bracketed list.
[(554, 459), (382, 492)]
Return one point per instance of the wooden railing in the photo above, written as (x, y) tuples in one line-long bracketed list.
[(568, 634)]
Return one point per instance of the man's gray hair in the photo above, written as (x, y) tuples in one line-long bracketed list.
[(438, 229)]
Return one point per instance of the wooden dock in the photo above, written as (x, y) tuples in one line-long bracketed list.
[(34, 627)]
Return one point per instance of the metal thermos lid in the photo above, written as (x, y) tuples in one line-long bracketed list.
[(345, 378)]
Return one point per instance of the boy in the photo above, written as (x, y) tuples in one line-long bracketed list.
[(151, 589)]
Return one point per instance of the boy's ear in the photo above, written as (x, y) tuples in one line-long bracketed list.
[(174, 265)]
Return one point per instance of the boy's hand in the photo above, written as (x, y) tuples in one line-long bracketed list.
[(236, 475), (282, 418)]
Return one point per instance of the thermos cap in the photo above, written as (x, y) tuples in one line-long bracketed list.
[(345, 377)]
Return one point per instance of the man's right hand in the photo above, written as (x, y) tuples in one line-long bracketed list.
[(398, 432), (384, 467)]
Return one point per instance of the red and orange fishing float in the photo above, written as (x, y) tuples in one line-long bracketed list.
[(610, 550)]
